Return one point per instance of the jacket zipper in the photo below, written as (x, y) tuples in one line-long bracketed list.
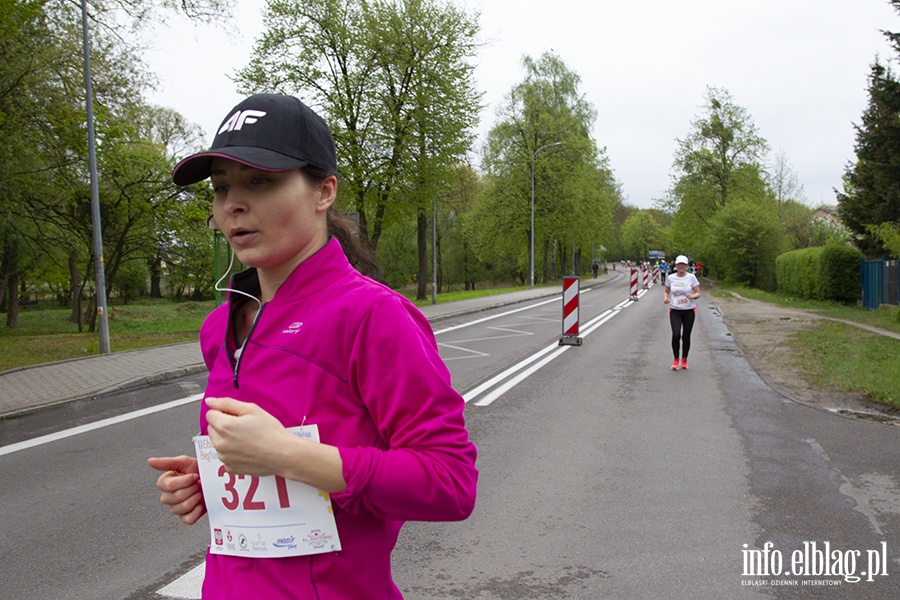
[(240, 356)]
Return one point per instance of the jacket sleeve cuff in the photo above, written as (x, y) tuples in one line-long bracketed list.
[(408, 485)]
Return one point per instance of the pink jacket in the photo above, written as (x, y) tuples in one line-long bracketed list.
[(339, 350)]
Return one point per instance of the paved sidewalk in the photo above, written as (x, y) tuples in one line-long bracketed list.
[(34, 387)]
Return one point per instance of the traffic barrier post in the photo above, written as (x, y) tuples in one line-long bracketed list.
[(571, 312)]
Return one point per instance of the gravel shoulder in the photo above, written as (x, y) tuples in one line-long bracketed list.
[(764, 332)]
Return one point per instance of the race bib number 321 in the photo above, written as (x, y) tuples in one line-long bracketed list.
[(264, 516)]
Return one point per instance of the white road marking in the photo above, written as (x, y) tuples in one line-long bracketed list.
[(508, 385), (59, 435), (186, 587), (494, 337), (470, 353), (509, 312), (474, 393), (506, 380)]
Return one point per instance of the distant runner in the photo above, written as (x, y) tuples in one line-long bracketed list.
[(682, 289)]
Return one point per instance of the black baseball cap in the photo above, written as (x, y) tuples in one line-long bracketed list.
[(270, 132)]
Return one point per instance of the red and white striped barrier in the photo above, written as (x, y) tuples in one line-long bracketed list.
[(646, 275), (655, 275), (634, 285), (571, 312)]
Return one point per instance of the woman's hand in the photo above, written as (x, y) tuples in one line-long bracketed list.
[(180, 487), (245, 436), (250, 441)]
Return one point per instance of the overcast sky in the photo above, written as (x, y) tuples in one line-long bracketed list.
[(799, 67)]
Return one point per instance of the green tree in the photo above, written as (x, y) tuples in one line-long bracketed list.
[(747, 241), (871, 193), (425, 81), (711, 160), (620, 213), (29, 53), (43, 147), (870, 200), (640, 234), (394, 81), (888, 234), (189, 266), (719, 162), (574, 188), (459, 263)]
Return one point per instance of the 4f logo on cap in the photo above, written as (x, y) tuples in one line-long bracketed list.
[(239, 118)]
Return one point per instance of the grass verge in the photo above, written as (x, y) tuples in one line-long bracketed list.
[(846, 358), (46, 335), (837, 356)]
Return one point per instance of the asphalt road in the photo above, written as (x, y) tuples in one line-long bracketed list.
[(603, 475)]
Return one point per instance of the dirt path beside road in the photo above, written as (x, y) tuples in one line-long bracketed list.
[(764, 332)]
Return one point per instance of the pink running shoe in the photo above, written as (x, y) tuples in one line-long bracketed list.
[(675, 365), (684, 364)]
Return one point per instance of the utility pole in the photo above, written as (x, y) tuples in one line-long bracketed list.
[(99, 274)]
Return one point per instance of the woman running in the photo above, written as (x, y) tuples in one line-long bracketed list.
[(320, 379), (682, 290)]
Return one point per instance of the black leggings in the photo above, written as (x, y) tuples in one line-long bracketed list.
[(682, 322)]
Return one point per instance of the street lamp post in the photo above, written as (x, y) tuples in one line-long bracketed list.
[(531, 245), (99, 272)]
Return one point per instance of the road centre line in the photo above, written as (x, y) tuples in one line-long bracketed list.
[(508, 385), (187, 587), (474, 393), (59, 435), (589, 327), (512, 375)]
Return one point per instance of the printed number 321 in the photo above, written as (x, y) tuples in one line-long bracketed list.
[(233, 500)]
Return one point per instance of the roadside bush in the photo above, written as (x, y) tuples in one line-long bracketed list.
[(840, 273), (795, 273), (822, 273)]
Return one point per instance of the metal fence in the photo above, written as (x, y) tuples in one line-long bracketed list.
[(880, 282)]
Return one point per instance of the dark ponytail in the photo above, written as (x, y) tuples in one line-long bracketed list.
[(346, 231)]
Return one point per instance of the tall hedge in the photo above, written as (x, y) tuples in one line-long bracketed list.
[(841, 272), (823, 273)]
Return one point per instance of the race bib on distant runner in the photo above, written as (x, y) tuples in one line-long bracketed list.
[(681, 301), (264, 516)]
